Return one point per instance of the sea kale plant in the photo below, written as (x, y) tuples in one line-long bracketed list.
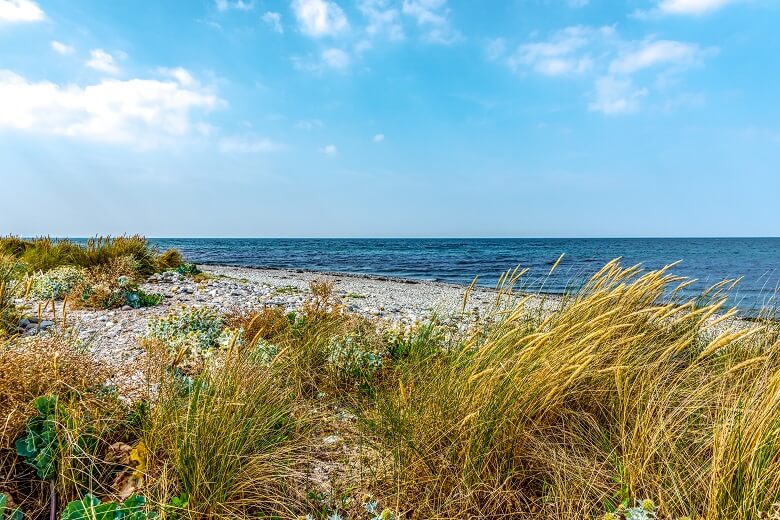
[(56, 283), (39, 445), (196, 331), (90, 507)]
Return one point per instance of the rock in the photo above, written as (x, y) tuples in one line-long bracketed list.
[(126, 308), (331, 439), (34, 319), (24, 322), (46, 324)]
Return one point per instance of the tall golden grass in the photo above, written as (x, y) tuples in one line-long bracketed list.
[(617, 396)]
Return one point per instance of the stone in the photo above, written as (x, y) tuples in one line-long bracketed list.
[(331, 439), (127, 308), (24, 322), (46, 324)]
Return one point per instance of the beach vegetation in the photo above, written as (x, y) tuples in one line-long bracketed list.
[(622, 401)]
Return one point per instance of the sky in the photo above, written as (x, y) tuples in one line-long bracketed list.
[(361, 118)]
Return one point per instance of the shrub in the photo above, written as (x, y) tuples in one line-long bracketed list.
[(112, 285), (56, 283), (169, 259), (351, 361), (194, 331)]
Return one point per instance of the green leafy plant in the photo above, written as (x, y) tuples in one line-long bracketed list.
[(39, 446), (57, 283), (90, 508), (9, 514), (187, 269), (196, 330)]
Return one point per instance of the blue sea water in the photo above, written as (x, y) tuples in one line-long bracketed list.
[(454, 260)]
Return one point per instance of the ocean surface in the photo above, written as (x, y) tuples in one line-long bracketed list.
[(709, 260)]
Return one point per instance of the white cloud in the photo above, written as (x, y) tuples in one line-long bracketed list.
[(567, 52), (61, 48), (621, 72), (319, 17), (13, 11), (654, 53), (143, 112), (378, 138), (329, 150), (274, 20), (238, 5), (329, 59), (576, 4), (102, 61), (683, 7), (249, 145), (433, 17), (615, 96), (336, 59), (180, 74), (383, 19)]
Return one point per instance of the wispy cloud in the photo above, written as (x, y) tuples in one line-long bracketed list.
[(330, 150), (61, 48), (653, 53), (331, 58), (274, 20), (180, 74), (613, 96), (564, 53), (378, 138), (384, 19), (683, 7), (138, 111), (317, 18), (102, 61), (433, 17), (238, 5), (17, 11), (621, 72)]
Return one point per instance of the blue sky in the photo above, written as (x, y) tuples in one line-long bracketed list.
[(390, 117)]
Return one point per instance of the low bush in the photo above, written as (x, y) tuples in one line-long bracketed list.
[(193, 332), (56, 283), (112, 285), (169, 259)]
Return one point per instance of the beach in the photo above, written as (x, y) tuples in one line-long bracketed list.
[(113, 335)]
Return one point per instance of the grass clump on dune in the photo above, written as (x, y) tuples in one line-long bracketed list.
[(229, 438), (613, 398)]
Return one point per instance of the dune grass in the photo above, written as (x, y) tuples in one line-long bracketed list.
[(621, 394)]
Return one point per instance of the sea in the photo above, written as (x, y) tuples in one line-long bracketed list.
[(460, 260)]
